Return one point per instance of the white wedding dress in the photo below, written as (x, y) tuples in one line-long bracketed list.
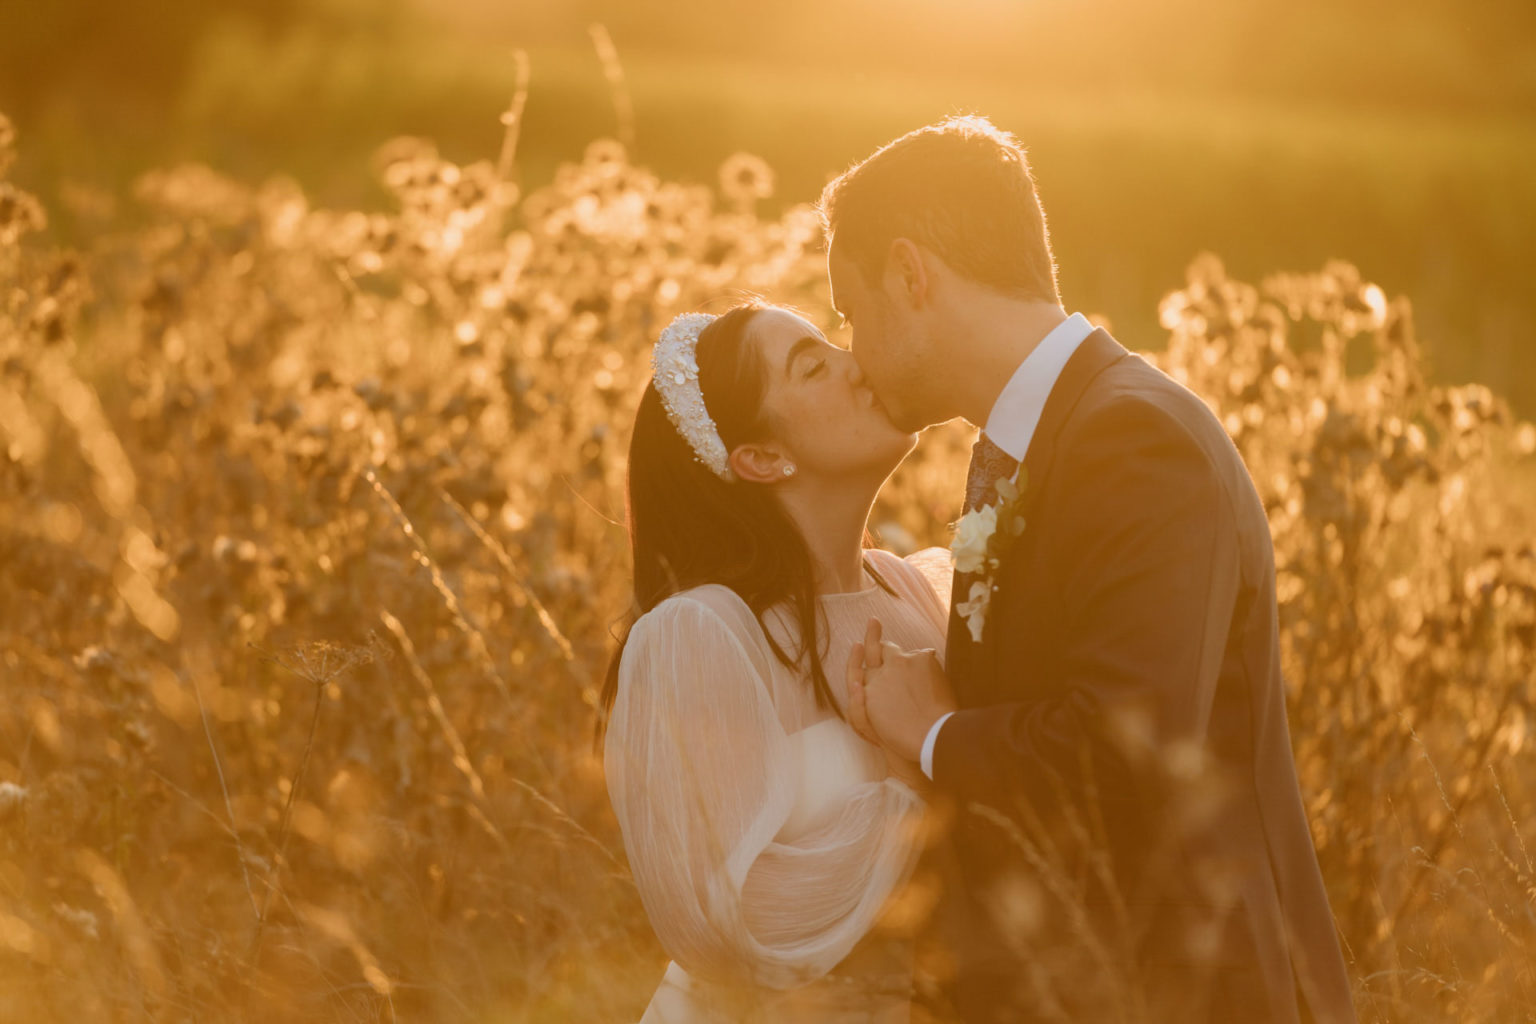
[(764, 835)]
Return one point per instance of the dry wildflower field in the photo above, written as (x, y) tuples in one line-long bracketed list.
[(310, 550)]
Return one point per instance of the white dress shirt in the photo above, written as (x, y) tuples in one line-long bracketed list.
[(1011, 424)]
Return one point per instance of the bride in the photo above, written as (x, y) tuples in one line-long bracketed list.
[(765, 836)]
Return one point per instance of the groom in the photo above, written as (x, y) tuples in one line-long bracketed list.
[(1128, 839)]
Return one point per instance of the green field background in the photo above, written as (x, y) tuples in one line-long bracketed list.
[(1400, 136)]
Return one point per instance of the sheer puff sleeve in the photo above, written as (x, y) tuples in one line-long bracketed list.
[(703, 778)]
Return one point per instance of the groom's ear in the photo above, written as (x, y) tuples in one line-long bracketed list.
[(758, 464), (907, 272)]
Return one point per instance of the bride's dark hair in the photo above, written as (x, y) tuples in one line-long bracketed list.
[(688, 527)]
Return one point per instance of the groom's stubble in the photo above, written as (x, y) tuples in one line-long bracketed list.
[(896, 347), (945, 357)]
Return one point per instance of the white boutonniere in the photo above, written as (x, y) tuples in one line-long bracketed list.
[(982, 536)]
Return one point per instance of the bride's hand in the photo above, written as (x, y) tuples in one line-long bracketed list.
[(858, 717), (901, 693), (858, 709)]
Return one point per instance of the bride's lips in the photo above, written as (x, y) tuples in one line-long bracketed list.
[(873, 401)]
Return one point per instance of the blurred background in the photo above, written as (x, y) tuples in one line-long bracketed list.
[(312, 464), (1399, 135)]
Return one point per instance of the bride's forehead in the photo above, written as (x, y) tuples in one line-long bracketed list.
[(780, 328)]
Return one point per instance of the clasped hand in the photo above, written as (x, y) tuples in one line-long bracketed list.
[(895, 695)]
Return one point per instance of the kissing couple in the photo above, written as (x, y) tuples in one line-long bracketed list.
[(1046, 776)]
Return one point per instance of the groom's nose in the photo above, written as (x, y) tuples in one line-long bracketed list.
[(863, 377)]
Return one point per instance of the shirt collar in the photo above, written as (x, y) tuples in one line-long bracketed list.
[(1016, 413)]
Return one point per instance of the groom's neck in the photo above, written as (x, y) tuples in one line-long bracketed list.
[(998, 334)]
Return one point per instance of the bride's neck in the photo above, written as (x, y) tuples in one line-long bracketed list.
[(833, 524)]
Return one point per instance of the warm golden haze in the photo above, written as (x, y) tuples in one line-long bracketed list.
[(1280, 133), (316, 391), (310, 557)]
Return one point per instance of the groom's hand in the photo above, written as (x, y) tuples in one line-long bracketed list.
[(901, 693)]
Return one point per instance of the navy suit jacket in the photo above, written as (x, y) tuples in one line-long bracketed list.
[(1127, 822)]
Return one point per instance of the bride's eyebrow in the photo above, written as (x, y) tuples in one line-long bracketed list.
[(797, 349)]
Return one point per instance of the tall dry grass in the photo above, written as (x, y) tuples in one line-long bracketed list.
[(310, 551)]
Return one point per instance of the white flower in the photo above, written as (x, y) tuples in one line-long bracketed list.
[(974, 611), (971, 535), (977, 549)]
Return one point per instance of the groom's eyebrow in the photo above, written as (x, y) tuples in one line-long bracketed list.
[(797, 349)]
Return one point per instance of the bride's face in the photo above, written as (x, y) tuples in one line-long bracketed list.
[(824, 415)]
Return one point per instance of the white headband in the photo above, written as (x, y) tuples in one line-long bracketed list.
[(675, 369)]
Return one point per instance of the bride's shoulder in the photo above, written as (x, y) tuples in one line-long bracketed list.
[(711, 623), (888, 564), (711, 605), (919, 565), (929, 569)]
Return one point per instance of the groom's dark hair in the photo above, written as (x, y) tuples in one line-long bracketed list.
[(961, 188)]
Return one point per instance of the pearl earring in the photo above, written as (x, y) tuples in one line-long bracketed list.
[(789, 469)]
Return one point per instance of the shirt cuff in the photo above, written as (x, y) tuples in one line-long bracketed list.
[(925, 760)]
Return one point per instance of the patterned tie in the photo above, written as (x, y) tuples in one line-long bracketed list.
[(989, 464)]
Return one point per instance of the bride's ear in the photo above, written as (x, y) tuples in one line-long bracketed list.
[(760, 464)]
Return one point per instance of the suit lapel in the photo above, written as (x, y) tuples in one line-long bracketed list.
[(1097, 353)]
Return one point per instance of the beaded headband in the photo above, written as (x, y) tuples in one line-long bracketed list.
[(675, 368)]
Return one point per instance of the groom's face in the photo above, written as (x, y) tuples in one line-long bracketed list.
[(886, 337)]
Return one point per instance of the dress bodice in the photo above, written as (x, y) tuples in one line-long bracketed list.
[(833, 761)]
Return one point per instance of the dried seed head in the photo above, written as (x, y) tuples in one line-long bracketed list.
[(12, 797), (745, 178)]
